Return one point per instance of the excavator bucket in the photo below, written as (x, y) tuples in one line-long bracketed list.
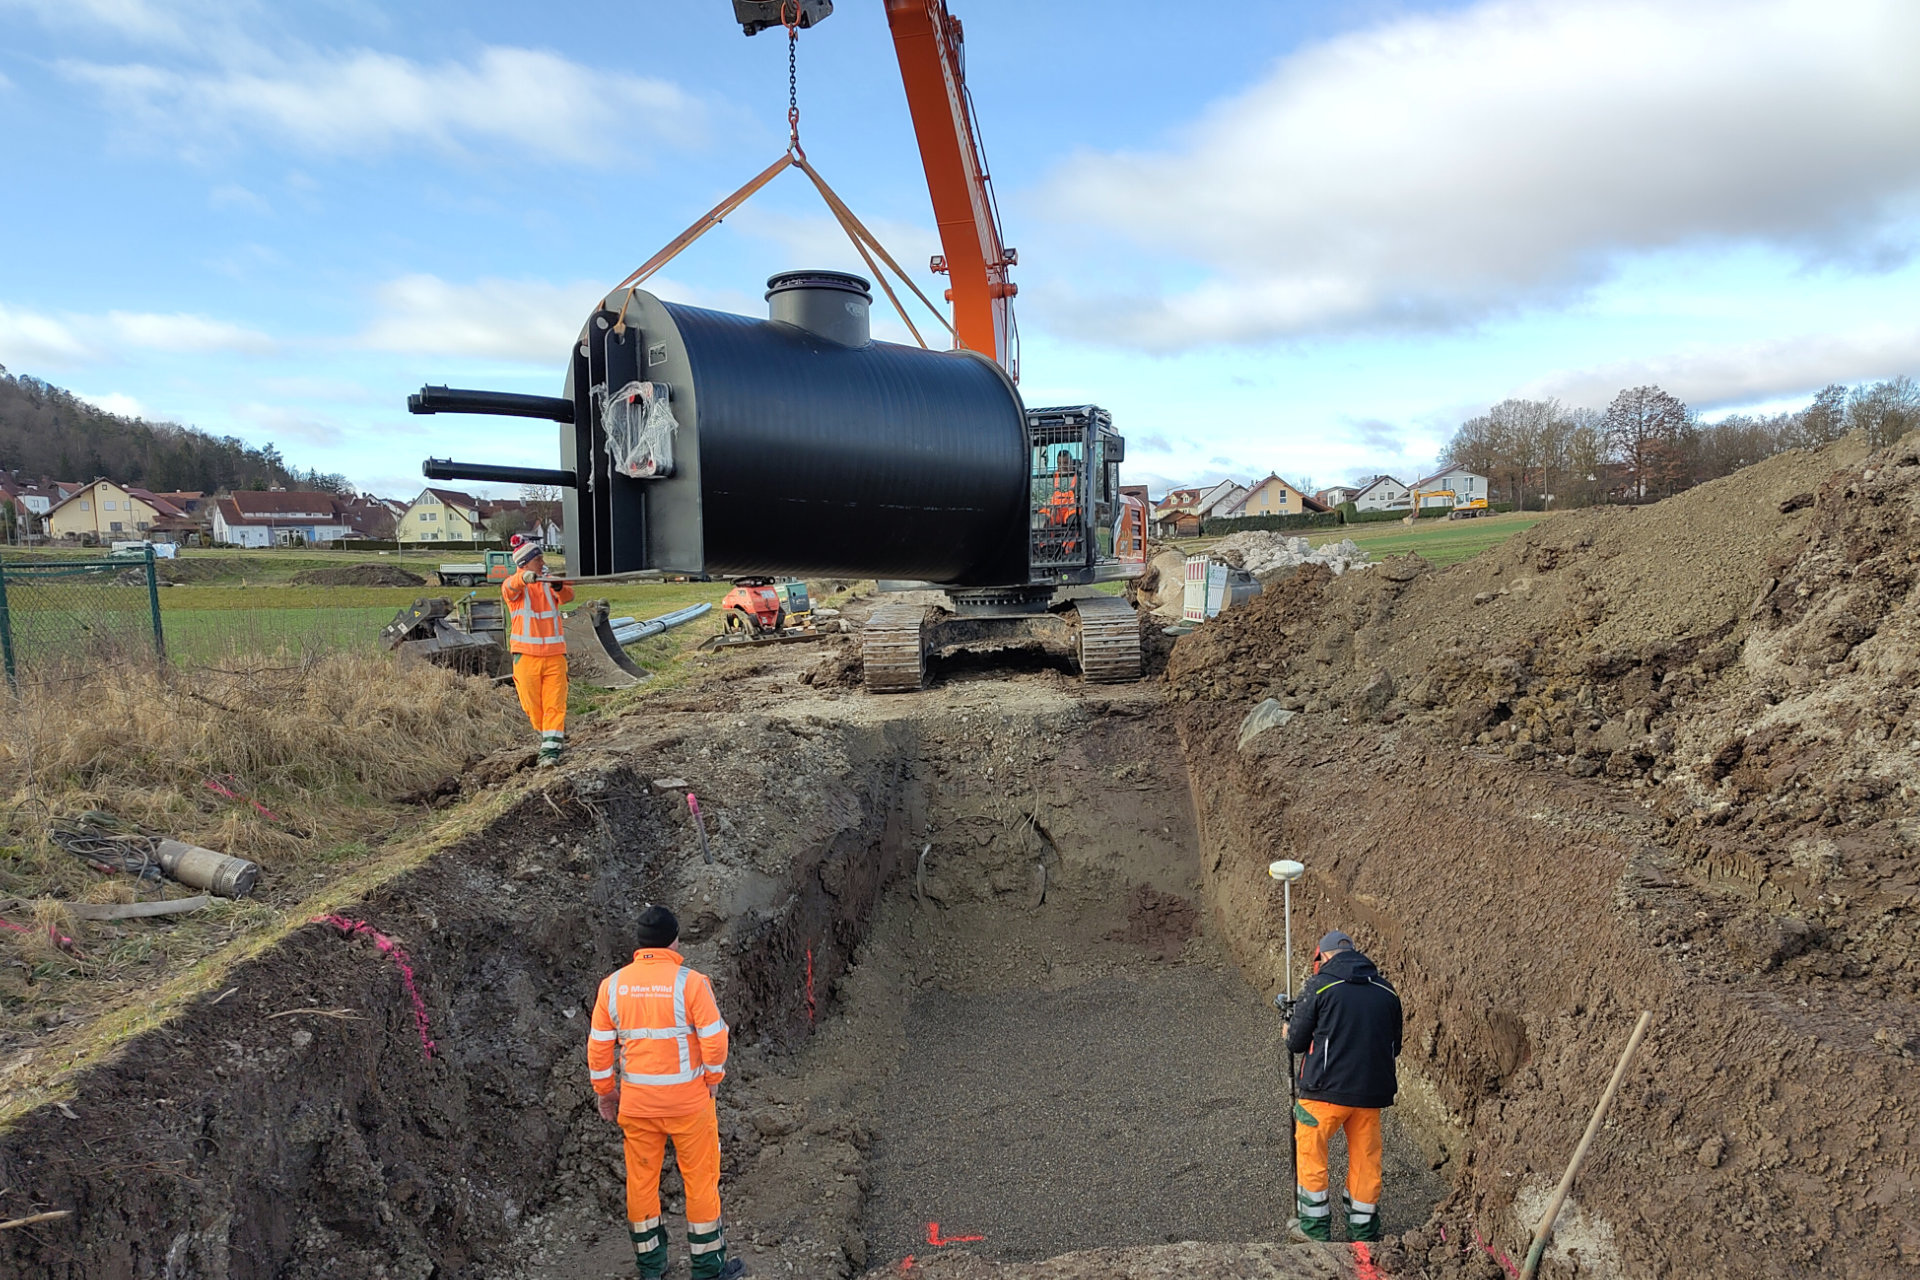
[(593, 656)]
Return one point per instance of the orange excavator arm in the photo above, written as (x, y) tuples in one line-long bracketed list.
[(932, 53)]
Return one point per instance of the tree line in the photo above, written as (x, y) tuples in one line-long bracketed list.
[(1646, 444), (48, 432)]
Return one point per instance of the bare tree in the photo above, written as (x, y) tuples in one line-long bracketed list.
[(1646, 429), (542, 502), (1885, 411)]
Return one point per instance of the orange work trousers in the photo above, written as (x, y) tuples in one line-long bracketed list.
[(1362, 1125), (541, 681), (696, 1149)]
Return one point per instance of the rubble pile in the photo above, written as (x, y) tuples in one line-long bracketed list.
[(1269, 555)]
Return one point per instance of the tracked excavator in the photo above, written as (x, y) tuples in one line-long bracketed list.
[(701, 442)]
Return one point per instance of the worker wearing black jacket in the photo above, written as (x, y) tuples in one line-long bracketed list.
[(1345, 1035)]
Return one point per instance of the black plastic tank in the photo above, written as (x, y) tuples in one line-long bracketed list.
[(800, 445)]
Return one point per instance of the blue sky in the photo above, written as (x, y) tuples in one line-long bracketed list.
[(1305, 237)]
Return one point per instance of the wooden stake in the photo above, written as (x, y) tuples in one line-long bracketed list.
[(32, 1218), (1545, 1229)]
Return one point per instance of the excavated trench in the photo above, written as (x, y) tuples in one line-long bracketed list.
[(977, 984)]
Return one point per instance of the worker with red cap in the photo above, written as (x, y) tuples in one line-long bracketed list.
[(1345, 1032), (656, 1055), (539, 646)]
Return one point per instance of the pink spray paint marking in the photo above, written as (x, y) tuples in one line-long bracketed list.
[(237, 798), (1498, 1255), (58, 938), (1363, 1268), (401, 961), (939, 1241), (809, 986)]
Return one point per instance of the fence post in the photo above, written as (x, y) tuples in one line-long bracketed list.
[(6, 629), (153, 602)]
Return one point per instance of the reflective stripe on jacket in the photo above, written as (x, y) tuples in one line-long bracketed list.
[(658, 1032), (534, 607)]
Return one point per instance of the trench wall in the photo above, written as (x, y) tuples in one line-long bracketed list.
[(1518, 914), (236, 1143)]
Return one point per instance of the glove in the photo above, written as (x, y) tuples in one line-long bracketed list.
[(609, 1104), (1284, 1003)]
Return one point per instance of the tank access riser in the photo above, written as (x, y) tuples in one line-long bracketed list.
[(1101, 633)]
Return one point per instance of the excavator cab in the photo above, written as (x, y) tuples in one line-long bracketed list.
[(1075, 510)]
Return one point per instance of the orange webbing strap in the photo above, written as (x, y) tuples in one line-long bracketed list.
[(864, 239), (713, 218)]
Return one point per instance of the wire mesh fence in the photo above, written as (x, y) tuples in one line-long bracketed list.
[(63, 619)]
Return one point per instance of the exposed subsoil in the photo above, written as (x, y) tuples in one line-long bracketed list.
[(1658, 759)]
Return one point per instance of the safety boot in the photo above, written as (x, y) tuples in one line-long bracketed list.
[(1363, 1220)]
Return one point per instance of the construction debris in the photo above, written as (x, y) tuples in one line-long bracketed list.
[(1270, 555)]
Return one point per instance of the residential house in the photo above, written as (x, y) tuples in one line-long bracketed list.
[(372, 517), (1457, 486), (442, 515), (103, 511), (1383, 493), (1335, 495), (1272, 497), (278, 517)]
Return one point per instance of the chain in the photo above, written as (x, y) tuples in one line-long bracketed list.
[(793, 77)]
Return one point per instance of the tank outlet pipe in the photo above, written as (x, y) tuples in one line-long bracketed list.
[(1286, 871), (505, 404), (828, 304), (448, 469), (627, 631), (199, 868)]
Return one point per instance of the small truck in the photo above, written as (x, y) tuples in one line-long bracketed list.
[(495, 566)]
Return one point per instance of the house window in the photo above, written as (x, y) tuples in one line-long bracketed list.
[(109, 504), (144, 524), (115, 526), (85, 505)]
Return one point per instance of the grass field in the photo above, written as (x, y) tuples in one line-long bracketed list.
[(1441, 541)]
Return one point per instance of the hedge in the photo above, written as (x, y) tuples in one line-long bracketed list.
[(1305, 520)]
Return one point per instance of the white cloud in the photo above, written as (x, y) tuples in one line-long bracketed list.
[(360, 101), (283, 424), (1439, 168), (30, 340), (183, 332), (524, 320), (33, 339), (234, 196), (115, 402), (130, 19), (1747, 373)]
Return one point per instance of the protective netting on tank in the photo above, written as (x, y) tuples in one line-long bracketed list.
[(640, 428)]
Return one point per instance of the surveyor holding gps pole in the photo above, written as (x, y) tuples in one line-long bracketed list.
[(1344, 1030)]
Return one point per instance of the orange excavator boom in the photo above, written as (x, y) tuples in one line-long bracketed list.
[(932, 51)]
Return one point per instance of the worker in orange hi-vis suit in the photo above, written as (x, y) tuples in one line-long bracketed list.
[(656, 1056), (538, 645)]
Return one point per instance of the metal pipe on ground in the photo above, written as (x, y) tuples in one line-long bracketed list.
[(627, 631)]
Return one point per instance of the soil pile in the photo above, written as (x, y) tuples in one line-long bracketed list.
[(1659, 758), (358, 575)]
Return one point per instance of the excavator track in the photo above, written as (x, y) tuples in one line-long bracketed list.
[(1109, 640), (893, 655)]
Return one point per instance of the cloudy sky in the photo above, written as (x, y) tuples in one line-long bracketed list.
[(1309, 237)]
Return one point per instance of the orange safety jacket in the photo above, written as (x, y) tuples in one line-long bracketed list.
[(659, 1033), (535, 608)]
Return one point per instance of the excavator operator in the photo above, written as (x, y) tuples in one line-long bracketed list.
[(1063, 503)]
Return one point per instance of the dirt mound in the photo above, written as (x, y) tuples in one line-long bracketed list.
[(1729, 677), (358, 575)]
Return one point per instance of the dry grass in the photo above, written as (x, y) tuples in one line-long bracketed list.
[(317, 752)]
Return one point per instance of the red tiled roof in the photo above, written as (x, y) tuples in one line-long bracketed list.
[(158, 503), (259, 507)]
